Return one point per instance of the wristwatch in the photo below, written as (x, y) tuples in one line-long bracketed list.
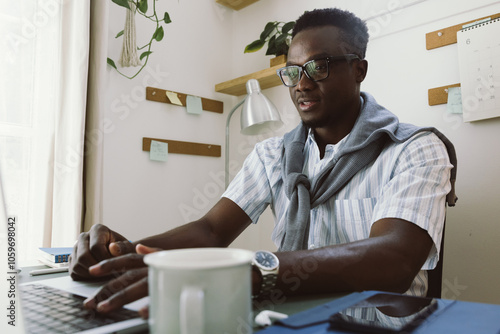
[(268, 265)]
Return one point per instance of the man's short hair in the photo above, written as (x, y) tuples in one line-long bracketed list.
[(354, 32)]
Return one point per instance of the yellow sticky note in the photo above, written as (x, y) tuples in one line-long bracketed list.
[(174, 99), (193, 105), (158, 151)]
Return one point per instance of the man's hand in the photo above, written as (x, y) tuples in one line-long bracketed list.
[(130, 282), (97, 253), (92, 247)]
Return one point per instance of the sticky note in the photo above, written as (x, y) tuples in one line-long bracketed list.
[(454, 105), (193, 105), (158, 151), (174, 99)]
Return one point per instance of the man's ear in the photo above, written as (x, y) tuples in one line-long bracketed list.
[(361, 67)]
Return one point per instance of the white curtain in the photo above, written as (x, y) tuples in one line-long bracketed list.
[(94, 141), (43, 112), (72, 54)]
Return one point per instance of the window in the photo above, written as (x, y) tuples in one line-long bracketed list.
[(43, 83)]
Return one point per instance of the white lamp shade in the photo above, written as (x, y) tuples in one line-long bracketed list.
[(258, 112)]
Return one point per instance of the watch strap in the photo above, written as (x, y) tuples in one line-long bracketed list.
[(268, 284)]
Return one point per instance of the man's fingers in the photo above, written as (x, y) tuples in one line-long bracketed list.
[(127, 288), (142, 249), (92, 247), (144, 312), (121, 248), (125, 296), (100, 237), (80, 259), (117, 265)]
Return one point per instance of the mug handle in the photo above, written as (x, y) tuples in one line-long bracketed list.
[(192, 315)]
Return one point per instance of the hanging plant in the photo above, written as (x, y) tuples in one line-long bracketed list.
[(277, 35), (129, 55)]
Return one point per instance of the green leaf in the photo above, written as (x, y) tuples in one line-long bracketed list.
[(281, 39), (254, 46), (123, 3), (281, 45), (143, 6), (159, 33), (119, 34), (111, 63), (166, 18), (271, 46), (268, 29), (145, 54), (287, 27)]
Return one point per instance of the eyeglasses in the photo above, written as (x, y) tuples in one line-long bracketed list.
[(316, 69)]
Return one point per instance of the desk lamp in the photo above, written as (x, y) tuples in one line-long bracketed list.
[(258, 113)]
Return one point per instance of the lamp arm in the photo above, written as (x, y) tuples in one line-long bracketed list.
[(227, 140)]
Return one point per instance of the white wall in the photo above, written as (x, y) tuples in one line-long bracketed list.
[(204, 46), (142, 197)]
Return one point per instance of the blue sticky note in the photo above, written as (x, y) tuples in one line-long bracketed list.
[(454, 105), (193, 104), (158, 151)]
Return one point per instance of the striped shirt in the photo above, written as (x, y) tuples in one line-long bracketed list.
[(407, 181)]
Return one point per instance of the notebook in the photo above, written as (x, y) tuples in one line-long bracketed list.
[(56, 306)]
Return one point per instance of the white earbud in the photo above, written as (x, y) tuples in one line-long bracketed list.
[(266, 317)]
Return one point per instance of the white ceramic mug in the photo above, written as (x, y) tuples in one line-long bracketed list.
[(200, 291)]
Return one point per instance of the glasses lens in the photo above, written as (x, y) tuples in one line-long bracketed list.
[(290, 75), (317, 69)]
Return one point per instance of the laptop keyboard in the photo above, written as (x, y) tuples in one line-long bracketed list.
[(50, 310)]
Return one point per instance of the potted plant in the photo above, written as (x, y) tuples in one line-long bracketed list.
[(277, 35)]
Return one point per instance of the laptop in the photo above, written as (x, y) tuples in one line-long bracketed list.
[(55, 305)]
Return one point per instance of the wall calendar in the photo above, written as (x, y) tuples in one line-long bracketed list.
[(479, 65)]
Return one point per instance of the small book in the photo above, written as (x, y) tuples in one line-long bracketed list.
[(56, 254)]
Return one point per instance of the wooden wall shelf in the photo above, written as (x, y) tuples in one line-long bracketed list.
[(183, 147), (159, 95), (267, 78), (236, 4)]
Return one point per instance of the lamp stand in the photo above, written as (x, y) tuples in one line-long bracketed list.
[(227, 141)]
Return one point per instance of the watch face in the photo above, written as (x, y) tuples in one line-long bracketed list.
[(266, 260)]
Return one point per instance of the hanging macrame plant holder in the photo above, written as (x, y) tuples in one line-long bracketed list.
[(129, 55)]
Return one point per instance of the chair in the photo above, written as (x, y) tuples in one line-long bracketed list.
[(435, 276)]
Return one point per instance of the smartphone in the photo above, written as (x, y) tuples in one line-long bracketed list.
[(385, 313)]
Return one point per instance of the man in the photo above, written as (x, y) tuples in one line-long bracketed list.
[(358, 199)]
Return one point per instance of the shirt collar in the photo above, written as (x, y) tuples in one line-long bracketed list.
[(312, 140)]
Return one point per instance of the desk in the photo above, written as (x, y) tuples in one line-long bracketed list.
[(458, 317), (294, 304), (449, 316), (287, 305)]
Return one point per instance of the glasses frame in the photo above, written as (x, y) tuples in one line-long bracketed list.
[(302, 68)]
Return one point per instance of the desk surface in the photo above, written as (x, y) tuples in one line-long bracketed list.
[(460, 317), (295, 304), (25, 277)]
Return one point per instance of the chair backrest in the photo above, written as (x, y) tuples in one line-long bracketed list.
[(435, 276)]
